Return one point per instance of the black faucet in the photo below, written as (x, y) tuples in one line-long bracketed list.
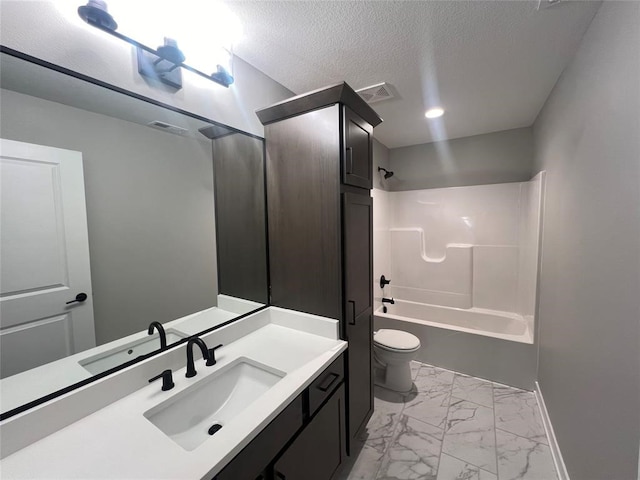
[(163, 336), (191, 368), (388, 300)]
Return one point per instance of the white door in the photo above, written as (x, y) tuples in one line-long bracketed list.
[(44, 257)]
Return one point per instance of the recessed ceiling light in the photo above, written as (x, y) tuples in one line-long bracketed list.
[(434, 112)]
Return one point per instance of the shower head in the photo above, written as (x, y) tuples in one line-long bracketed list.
[(387, 173)]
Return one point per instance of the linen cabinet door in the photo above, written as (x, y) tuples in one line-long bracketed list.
[(358, 271), (357, 156), (303, 202)]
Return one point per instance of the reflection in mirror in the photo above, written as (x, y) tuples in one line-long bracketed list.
[(110, 196), (240, 220)]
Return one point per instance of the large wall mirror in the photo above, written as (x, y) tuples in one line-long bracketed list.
[(116, 212)]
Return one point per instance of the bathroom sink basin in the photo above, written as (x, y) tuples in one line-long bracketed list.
[(193, 415), (123, 353)]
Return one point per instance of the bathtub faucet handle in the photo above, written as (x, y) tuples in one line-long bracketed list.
[(384, 281), (388, 300)]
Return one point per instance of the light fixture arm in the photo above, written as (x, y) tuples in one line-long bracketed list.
[(221, 76)]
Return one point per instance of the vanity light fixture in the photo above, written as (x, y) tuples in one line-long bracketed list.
[(434, 112), (163, 64)]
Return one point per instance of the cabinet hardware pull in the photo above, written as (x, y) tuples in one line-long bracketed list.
[(332, 377), (349, 160), (352, 321)]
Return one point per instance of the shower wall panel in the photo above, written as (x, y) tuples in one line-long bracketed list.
[(463, 247)]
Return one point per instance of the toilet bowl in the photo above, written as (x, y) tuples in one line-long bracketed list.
[(393, 351)]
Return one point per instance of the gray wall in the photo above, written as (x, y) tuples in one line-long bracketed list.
[(150, 211), (380, 159), (498, 157), (587, 138)]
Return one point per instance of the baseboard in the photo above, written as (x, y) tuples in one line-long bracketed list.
[(561, 469)]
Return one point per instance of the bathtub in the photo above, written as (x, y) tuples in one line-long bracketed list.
[(491, 323), (497, 346)]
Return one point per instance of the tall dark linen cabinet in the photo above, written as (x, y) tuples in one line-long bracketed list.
[(320, 221)]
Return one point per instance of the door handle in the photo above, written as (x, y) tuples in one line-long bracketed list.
[(81, 297), (352, 321), (349, 160)]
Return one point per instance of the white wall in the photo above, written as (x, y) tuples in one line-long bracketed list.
[(59, 36), (587, 139)]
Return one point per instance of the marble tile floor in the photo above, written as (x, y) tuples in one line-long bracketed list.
[(452, 427)]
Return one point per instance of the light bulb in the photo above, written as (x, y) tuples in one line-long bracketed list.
[(434, 112)]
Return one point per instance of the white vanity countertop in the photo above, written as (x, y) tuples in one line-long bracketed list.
[(119, 442)]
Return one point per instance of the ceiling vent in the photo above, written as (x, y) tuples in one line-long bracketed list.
[(376, 93), (167, 127)]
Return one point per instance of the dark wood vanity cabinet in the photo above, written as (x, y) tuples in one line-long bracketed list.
[(320, 222), (252, 461), (320, 449), (305, 441)]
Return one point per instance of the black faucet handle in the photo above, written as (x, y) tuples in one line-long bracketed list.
[(167, 380), (384, 281), (212, 356)]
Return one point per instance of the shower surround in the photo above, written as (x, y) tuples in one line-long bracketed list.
[(463, 259)]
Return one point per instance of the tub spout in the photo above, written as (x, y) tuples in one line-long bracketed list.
[(388, 300)]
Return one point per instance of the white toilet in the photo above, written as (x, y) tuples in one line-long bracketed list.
[(393, 351)]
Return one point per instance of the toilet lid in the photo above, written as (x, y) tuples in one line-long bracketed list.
[(396, 339)]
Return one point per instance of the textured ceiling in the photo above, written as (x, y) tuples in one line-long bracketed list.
[(491, 65)]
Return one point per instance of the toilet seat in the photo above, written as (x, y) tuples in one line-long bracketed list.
[(396, 340)]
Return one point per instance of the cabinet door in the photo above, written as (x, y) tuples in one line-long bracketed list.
[(357, 158), (251, 462), (320, 449), (303, 201), (358, 306)]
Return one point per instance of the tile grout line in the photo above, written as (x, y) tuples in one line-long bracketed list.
[(446, 422), (495, 429), (523, 437), (471, 401), (469, 463)]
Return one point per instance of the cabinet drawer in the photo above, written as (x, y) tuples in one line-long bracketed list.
[(253, 459), (323, 386)]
